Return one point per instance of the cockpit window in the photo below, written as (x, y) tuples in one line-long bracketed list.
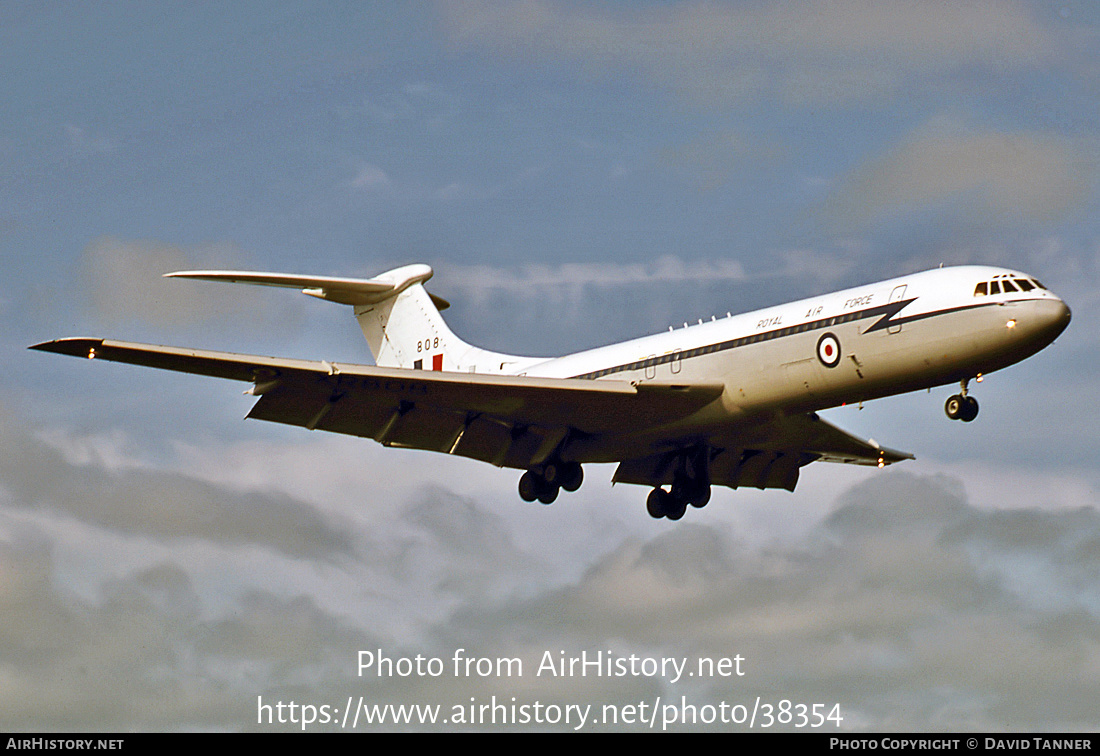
[(1008, 283)]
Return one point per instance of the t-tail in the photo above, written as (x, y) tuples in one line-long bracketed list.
[(399, 318)]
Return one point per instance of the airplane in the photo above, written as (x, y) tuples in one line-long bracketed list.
[(732, 402)]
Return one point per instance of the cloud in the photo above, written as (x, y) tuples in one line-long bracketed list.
[(370, 177), (135, 500), (121, 281), (571, 279), (801, 52), (905, 603), (142, 655), (973, 175), (564, 308), (555, 309), (907, 606), (148, 599)]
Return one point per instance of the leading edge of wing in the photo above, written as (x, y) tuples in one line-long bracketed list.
[(244, 367), (587, 404), (236, 367)]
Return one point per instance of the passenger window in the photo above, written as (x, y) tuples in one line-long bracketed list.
[(995, 287), (981, 289), (1008, 286)]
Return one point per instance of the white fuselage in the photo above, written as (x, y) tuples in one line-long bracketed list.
[(916, 331)]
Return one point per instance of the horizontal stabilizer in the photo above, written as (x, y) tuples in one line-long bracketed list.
[(349, 291)]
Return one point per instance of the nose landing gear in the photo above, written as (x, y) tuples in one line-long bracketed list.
[(961, 406)]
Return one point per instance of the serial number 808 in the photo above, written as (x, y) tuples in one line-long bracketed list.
[(427, 344)]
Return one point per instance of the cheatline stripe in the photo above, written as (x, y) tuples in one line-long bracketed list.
[(884, 313)]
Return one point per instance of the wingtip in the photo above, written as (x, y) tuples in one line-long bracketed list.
[(198, 273), (77, 346), (899, 456)]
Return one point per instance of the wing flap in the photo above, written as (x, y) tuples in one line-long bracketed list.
[(487, 439)]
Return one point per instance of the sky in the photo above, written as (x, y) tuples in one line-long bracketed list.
[(576, 174)]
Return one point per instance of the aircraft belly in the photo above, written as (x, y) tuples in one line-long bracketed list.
[(702, 426)]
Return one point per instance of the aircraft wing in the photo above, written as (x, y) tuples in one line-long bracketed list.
[(829, 443), (768, 455), (511, 421)]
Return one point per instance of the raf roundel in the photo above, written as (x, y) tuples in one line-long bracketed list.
[(828, 350)]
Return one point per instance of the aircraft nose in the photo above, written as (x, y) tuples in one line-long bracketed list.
[(1061, 316), (1054, 317), (1066, 314)]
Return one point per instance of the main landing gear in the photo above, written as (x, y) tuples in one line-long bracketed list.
[(961, 406), (690, 486), (674, 502), (544, 483)]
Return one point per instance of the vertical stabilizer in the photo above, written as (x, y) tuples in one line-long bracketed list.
[(407, 331)]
